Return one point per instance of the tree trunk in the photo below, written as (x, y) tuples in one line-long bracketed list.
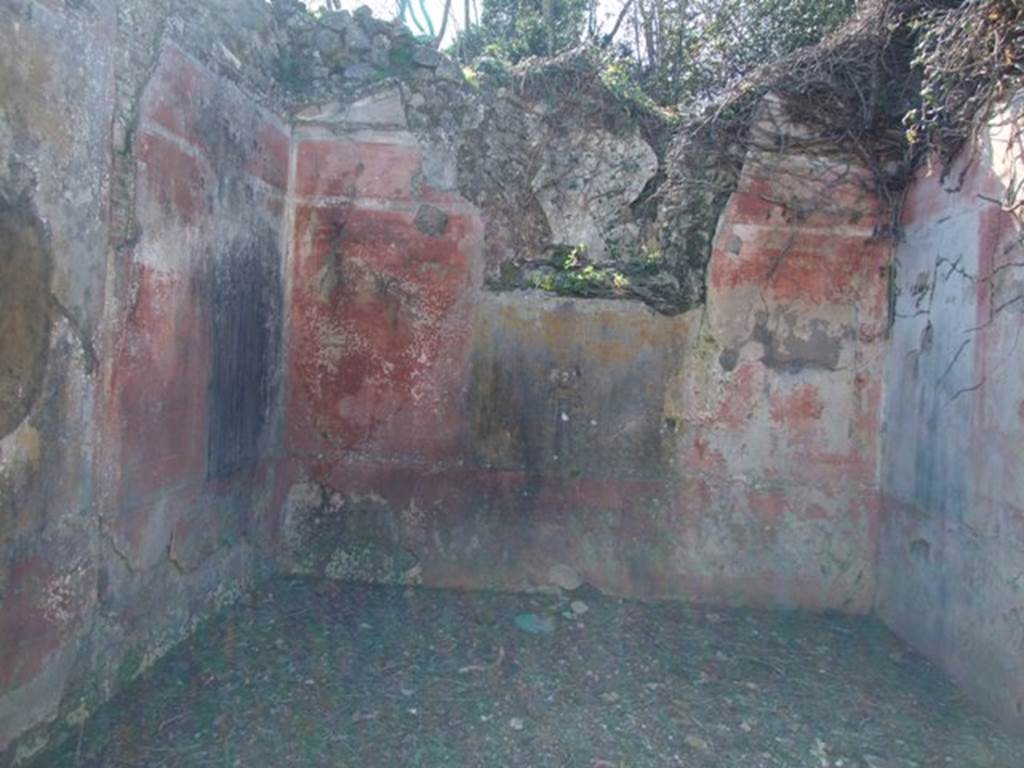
[(549, 24), (444, 23), (649, 40), (610, 37)]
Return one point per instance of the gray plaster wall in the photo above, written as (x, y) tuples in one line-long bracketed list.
[(56, 82), (951, 572), (141, 220)]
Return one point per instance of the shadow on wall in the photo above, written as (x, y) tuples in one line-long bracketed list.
[(26, 312), (553, 388), (25, 319)]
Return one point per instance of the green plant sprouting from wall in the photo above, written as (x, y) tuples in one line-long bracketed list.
[(567, 273)]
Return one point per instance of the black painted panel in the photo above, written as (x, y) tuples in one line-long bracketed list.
[(245, 334)]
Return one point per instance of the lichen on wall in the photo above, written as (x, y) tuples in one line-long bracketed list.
[(353, 538)]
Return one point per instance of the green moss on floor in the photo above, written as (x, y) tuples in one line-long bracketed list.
[(309, 673)]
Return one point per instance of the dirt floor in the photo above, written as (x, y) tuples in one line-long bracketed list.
[(324, 674)]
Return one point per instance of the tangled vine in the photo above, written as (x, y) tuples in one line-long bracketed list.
[(902, 81)]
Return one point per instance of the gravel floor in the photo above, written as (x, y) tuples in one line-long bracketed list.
[(321, 674)]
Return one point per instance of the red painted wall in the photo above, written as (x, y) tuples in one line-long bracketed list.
[(157, 460), (380, 326), (212, 167), (730, 459)]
